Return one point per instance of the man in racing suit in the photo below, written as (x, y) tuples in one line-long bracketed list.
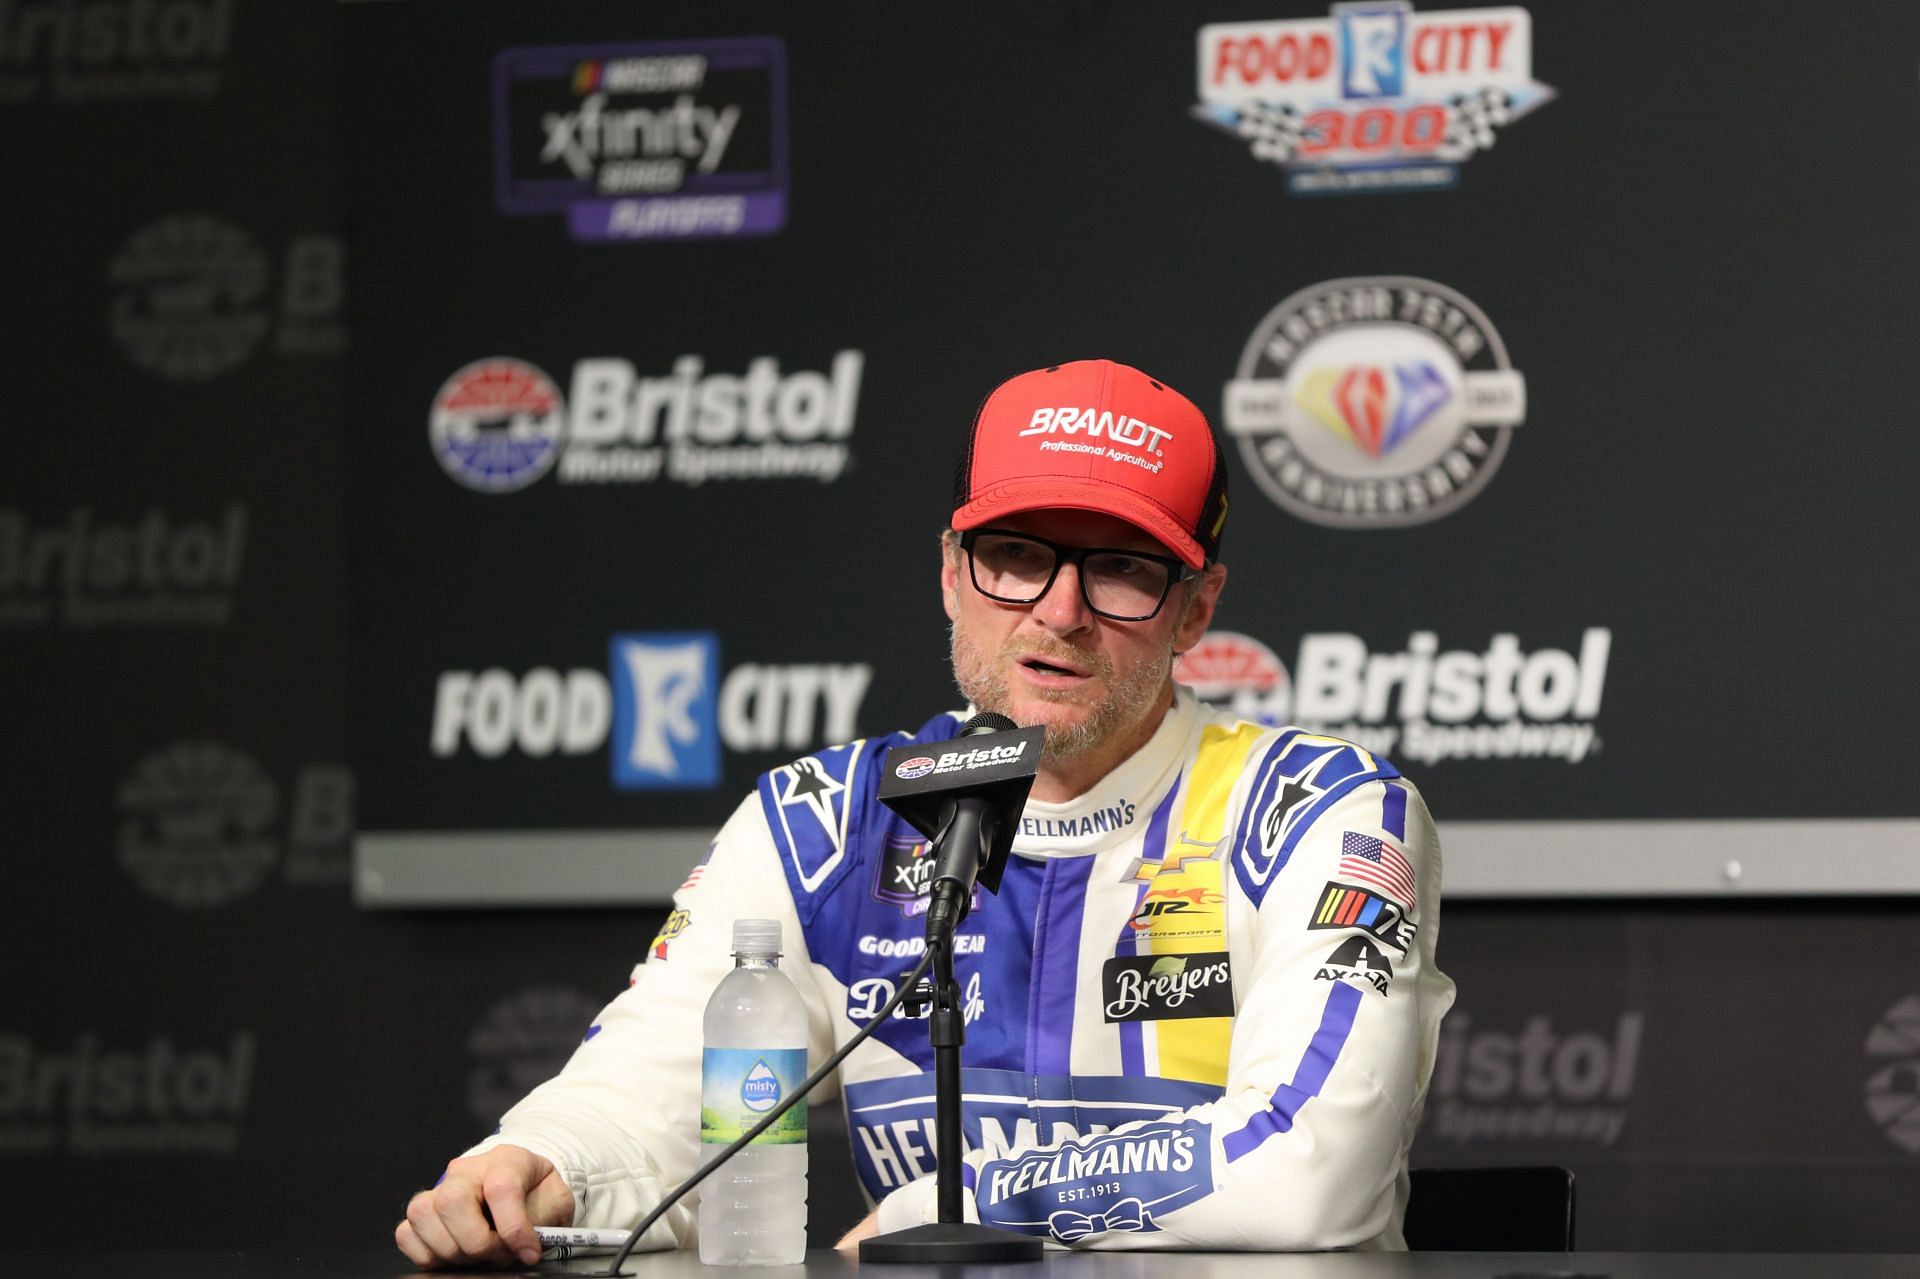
[(1202, 1008)]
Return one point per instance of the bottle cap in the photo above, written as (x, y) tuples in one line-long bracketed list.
[(758, 937)]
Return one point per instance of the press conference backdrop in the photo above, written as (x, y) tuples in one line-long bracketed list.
[(1693, 256), (1558, 355)]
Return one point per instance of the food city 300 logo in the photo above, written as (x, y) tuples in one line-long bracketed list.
[(1374, 402), (499, 424), (1420, 704), (1375, 97)]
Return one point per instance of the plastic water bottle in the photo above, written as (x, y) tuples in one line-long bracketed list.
[(753, 1209)]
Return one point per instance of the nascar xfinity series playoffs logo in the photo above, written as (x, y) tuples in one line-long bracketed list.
[(1375, 98), (1422, 703), (680, 140), (499, 424), (1374, 402)]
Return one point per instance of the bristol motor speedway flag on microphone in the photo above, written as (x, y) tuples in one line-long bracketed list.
[(925, 783)]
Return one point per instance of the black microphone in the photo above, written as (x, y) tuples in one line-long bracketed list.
[(966, 796)]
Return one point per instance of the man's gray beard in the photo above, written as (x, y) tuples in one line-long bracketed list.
[(1133, 697)]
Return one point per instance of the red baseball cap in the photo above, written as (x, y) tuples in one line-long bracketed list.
[(1094, 435)]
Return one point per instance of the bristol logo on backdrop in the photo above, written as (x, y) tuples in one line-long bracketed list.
[(201, 825), (521, 1041), (113, 51), (195, 296), (1376, 97), (1893, 1090), (1374, 402), (672, 141), (500, 423)]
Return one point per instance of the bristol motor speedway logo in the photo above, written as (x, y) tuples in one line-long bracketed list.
[(1893, 1090), (1374, 402), (1376, 97), (1420, 703), (523, 1040), (1535, 1084), (680, 140), (662, 708), (500, 423), (113, 50)]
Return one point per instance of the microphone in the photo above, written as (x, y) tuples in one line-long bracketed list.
[(965, 796)]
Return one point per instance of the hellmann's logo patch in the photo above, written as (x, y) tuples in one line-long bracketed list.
[(1168, 987), (1099, 424)]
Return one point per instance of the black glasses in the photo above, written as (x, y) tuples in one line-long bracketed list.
[(1019, 568)]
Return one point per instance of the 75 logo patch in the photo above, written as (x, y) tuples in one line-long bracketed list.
[(1348, 906)]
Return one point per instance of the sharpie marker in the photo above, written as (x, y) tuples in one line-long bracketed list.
[(557, 1243)]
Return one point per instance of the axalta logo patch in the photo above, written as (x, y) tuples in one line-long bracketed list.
[(1376, 97), (1420, 703), (1538, 1084), (665, 711), (1374, 402), (501, 423), (678, 140)]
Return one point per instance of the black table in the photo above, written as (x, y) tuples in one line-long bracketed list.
[(293, 1263)]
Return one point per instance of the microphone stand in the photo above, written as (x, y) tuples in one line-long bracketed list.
[(952, 1238)]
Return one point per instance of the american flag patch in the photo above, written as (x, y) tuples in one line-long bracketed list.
[(1375, 861)]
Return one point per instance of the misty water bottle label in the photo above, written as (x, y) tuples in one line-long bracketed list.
[(740, 1086)]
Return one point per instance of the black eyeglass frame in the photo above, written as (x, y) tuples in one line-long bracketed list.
[(1178, 570)]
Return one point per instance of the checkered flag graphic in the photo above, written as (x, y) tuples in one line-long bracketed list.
[(1273, 132), (1475, 116)]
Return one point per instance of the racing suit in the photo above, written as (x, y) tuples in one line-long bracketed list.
[(1201, 1010)]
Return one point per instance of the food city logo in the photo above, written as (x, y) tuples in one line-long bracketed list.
[(89, 573), (113, 50), (201, 825), (94, 1099), (195, 296), (499, 424), (1376, 97), (1374, 402), (662, 708), (521, 1041), (1538, 1084), (1893, 1090), (1419, 703), (671, 141)]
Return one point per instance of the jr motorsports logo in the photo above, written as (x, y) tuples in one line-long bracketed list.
[(1374, 402), (663, 709), (195, 296), (200, 825), (524, 1040), (1893, 1090), (682, 140), (1421, 703), (1376, 97), (499, 424), (113, 50)]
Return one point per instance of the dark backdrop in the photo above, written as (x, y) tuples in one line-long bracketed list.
[(1693, 254)]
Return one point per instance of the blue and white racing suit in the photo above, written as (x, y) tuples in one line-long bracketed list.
[(1201, 1010)]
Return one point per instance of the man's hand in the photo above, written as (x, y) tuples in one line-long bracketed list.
[(850, 1242), (484, 1210)]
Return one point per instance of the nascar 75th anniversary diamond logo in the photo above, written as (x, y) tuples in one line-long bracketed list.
[(1375, 97), (677, 140), (1374, 402)]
